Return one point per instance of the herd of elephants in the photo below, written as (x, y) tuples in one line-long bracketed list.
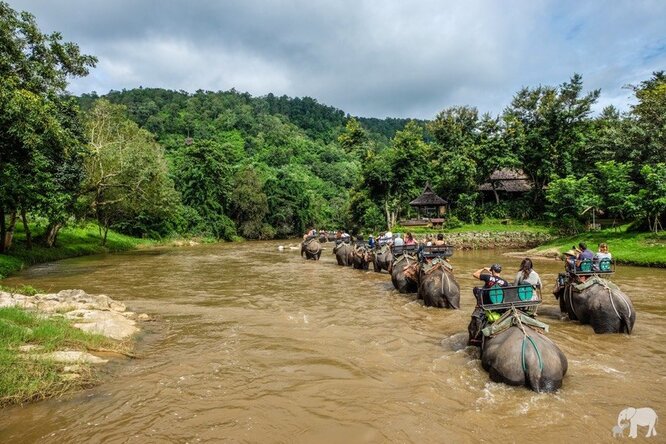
[(514, 348)]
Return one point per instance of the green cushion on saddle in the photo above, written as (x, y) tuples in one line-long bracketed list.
[(496, 295), (605, 265), (586, 266), (492, 316), (525, 293)]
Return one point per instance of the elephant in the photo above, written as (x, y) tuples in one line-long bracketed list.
[(524, 357), (404, 274), (311, 248), (597, 302), (382, 259), (638, 417), (438, 287), (343, 253), (361, 257)]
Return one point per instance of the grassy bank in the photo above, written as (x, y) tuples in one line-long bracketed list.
[(72, 242), (644, 249), (24, 377)]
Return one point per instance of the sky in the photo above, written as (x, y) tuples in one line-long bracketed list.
[(392, 58)]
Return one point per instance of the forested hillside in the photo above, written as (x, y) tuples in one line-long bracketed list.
[(152, 162)]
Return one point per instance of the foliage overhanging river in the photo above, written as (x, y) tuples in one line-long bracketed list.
[(257, 345)]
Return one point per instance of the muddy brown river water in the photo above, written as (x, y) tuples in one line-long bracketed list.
[(256, 345)]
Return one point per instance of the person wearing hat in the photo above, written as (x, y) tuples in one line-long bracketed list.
[(491, 277), (371, 241), (570, 260)]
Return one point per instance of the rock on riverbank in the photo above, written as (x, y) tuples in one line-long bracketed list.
[(92, 313)]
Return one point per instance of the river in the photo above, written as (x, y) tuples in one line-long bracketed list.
[(252, 344)]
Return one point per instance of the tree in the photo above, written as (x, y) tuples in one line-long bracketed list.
[(127, 185), (649, 138), (616, 189), (568, 199), (546, 127), (354, 138), (455, 166), (203, 177), (38, 129), (653, 195), (249, 204)]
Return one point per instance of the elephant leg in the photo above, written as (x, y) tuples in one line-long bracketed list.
[(475, 326)]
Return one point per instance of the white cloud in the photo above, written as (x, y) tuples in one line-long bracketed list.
[(389, 58)]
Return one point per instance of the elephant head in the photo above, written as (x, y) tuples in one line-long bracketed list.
[(625, 415)]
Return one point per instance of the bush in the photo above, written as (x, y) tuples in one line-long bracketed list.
[(453, 222)]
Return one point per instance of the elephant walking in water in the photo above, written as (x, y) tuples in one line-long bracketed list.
[(597, 302), (361, 257), (404, 274), (521, 356), (343, 253), (382, 259), (437, 286), (311, 248)]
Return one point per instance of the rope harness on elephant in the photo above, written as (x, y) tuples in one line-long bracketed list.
[(609, 287), (610, 296), (405, 257), (529, 338), (569, 300), (513, 317)]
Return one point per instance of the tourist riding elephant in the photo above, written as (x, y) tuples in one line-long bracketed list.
[(404, 274), (311, 248), (382, 259), (597, 302), (644, 417), (438, 287), (521, 356), (343, 253), (361, 257)]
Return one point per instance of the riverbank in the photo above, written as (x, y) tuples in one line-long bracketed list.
[(642, 249), (73, 242), (50, 343)]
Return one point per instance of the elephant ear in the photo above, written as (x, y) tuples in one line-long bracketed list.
[(631, 411)]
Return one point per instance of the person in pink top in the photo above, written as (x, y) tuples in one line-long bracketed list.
[(409, 239)]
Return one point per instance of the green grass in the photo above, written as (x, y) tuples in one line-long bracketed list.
[(646, 249), (72, 241), (24, 378)]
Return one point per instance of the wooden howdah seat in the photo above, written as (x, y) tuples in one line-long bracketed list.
[(590, 266), (500, 298), (404, 249), (433, 251)]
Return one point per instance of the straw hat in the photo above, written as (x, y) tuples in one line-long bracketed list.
[(571, 252)]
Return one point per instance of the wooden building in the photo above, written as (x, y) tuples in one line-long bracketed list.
[(430, 209)]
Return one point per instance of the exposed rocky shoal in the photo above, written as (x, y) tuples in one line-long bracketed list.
[(91, 313)]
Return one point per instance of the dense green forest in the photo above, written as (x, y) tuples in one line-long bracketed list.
[(153, 162)]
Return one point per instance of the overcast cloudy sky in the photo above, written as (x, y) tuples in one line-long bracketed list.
[(369, 58)]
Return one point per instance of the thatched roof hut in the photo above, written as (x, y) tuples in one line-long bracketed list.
[(509, 180), (428, 202)]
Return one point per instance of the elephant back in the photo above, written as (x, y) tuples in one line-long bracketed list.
[(521, 356), (602, 304)]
